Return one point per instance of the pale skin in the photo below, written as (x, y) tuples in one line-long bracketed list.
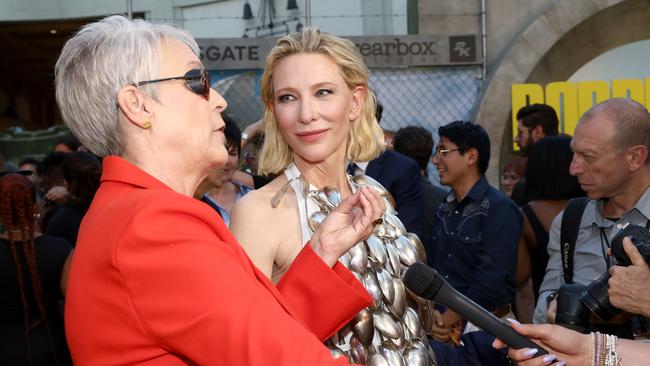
[(314, 109)]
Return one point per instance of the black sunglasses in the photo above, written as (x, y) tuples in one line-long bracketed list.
[(196, 80), (26, 173)]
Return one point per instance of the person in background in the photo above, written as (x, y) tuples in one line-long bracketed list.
[(534, 122), (157, 278), (33, 279), (550, 187), (252, 140), (67, 144), (417, 144), (52, 181), (81, 172), (222, 192), (628, 291), (401, 176), (37, 169), (475, 239), (610, 160), (512, 173)]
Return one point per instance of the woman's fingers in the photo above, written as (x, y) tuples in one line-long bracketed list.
[(376, 201)]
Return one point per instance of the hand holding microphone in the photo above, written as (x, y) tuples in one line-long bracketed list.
[(425, 282)]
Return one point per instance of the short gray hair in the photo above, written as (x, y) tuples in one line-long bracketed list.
[(631, 119), (96, 63)]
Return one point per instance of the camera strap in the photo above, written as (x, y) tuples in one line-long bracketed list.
[(571, 218)]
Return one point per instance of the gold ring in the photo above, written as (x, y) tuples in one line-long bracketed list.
[(379, 221)]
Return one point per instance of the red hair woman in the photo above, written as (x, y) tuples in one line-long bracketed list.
[(33, 278)]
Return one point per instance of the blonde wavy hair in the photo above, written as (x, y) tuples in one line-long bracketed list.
[(365, 140)]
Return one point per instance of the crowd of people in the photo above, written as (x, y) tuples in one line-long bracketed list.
[(141, 240)]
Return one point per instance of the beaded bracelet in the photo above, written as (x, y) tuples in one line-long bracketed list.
[(603, 347)]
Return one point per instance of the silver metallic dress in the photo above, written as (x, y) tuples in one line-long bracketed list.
[(393, 329)]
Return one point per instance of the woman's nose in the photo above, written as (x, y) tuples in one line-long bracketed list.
[(308, 111), (218, 101)]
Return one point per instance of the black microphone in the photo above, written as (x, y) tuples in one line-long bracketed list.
[(425, 282)]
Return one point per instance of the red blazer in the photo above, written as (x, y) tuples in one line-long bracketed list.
[(157, 279)]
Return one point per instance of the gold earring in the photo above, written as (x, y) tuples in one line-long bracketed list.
[(146, 125)]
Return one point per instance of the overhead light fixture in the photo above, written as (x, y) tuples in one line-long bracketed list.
[(248, 12), (53, 31), (292, 5)]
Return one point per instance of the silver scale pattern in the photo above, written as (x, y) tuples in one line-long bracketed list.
[(392, 331)]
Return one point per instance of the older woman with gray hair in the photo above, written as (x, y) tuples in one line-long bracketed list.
[(157, 279)]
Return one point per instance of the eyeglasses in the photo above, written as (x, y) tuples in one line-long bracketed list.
[(444, 152), (26, 173), (196, 80), (520, 131)]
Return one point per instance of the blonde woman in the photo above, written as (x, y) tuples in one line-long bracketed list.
[(321, 113)]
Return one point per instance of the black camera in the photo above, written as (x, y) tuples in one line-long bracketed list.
[(595, 297), (575, 301)]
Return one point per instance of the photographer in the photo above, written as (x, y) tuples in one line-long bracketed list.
[(626, 291), (610, 159)]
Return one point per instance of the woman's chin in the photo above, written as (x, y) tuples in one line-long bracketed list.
[(217, 159)]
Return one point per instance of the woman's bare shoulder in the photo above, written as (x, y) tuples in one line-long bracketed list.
[(259, 200)]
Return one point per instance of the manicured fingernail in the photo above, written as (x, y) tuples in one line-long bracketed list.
[(562, 363), (531, 352), (513, 321), (548, 359)]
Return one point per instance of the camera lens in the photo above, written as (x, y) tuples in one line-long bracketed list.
[(570, 312), (596, 299)]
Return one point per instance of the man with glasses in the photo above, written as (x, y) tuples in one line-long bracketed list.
[(534, 122), (475, 235), (610, 145), (33, 169)]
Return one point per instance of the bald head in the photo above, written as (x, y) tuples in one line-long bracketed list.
[(629, 120)]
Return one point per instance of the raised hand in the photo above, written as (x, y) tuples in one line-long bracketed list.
[(351, 222)]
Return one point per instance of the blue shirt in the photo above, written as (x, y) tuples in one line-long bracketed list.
[(475, 244), (225, 215)]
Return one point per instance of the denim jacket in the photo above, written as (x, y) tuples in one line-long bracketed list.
[(475, 244)]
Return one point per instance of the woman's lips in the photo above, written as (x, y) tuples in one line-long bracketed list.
[(311, 136)]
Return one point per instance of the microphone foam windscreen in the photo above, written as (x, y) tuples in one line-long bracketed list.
[(419, 278)]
